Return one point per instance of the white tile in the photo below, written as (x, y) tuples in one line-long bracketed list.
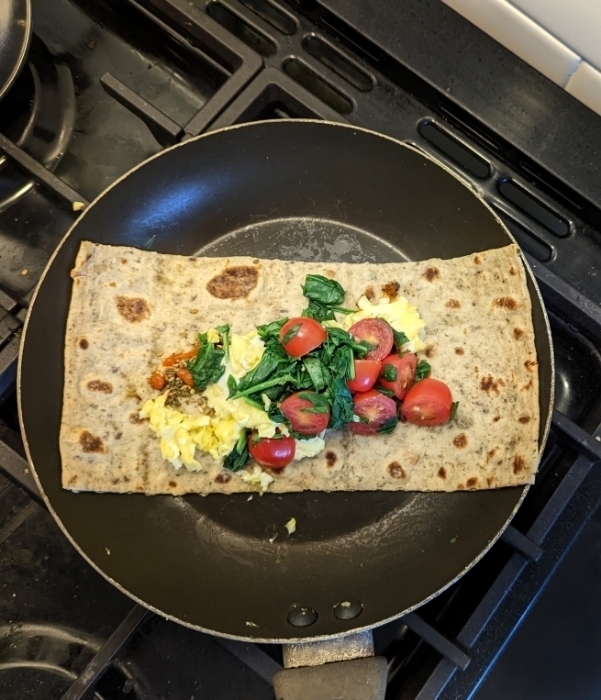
[(576, 23), (585, 85), (521, 35)]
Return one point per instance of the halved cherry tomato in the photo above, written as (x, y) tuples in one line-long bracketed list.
[(301, 335), (404, 366), (428, 402), (157, 381), (186, 377), (366, 375), (374, 406), (301, 409), (377, 332), (179, 356), (274, 453)]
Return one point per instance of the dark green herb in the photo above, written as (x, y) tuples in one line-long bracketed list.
[(341, 403), (231, 385), (325, 297), (254, 402), (319, 403), (239, 456), (382, 390), (207, 367), (318, 372), (423, 370), (271, 330), (399, 339), (389, 373), (291, 333), (454, 410), (275, 414), (389, 425), (225, 339)]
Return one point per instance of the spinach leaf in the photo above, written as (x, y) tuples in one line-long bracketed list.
[(270, 330), (319, 403), (324, 290), (454, 410), (386, 392), (291, 333), (254, 402), (266, 374), (318, 372), (231, 385), (341, 402), (207, 367), (423, 370), (399, 339), (225, 339), (239, 456), (275, 414), (389, 425), (389, 373)]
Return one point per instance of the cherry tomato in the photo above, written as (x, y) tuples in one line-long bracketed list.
[(186, 377), (301, 335), (157, 381), (274, 453), (299, 409), (366, 375), (375, 331), (428, 402), (179, 356), (405, 366), (374, 406)]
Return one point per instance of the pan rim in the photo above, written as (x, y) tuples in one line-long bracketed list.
[(251, 638), (22, 53)]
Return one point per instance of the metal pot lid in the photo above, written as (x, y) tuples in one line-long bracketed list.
[(15, 33)]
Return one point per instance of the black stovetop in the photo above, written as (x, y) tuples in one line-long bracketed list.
[(115, 81)]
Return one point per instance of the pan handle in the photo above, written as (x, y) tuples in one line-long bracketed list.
[(340, 669)]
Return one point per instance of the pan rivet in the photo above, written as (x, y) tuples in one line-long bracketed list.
[(301, 616), (348, 609)]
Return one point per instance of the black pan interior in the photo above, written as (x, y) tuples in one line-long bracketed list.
[(298, 190), (15, 32)]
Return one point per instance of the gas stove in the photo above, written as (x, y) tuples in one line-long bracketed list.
[(109, 83)]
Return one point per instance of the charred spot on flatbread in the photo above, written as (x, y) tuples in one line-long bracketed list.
[(518, 333), (83, 344), (118, 435), (172, 484), (477, 259), (519, 464), (528, 386), (391, 289), (72, 480), (488, 384), (396, 471), (330, 273), (430, 351), (431, 274), (524, 419), (460, 440), (496, 419), (136, 419), (512, 270), (459, 351), (529, 364), (90, 443), (331, 459), (460, 487), (491, 453), (506, 303), (472, 482), (223, 478), (133, 309), (98, 385), (123, 261), (234, 282), (369, 293), (442, 473), (453, 304)]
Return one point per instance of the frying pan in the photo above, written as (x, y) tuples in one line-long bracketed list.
[(15, 33), (301, 190)]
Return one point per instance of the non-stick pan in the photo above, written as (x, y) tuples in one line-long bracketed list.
[(298, 190)]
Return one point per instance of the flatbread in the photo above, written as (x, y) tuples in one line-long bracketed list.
[(131, 307)]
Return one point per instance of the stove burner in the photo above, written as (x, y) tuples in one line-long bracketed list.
[(42, 661), (38, 114)]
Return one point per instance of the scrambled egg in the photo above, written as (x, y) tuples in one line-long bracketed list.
[(257, 478), (401, 315)]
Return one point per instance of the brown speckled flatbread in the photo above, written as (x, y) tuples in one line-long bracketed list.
[(130, 307)]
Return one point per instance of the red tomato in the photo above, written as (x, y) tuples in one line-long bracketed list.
[(274, 453), (301, 335), (157, 380), (405, 366), (374, 406), (366, 375), (375, 331), (299, 410), (428, 402)]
